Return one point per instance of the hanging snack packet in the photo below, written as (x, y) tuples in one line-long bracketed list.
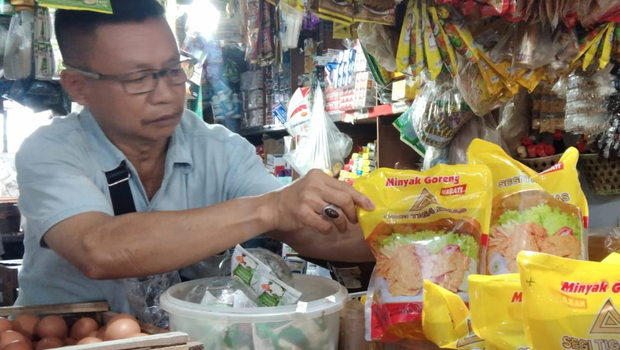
[(102, 6), (544, 212), (570, 304), (431, 51), (270, 290), (446, 321), (404, 44), (426, 226), (496, 310)]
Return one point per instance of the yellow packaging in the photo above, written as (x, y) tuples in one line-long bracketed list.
[(592, 51), (531, 78), (496, 310), (404, 44), (570, 304), (431, 51), (607, 45), (446, 321), (443, 42), (426, 226), (544, 212), (417, 42)]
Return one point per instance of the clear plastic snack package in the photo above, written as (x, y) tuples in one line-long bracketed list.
[(223, 291), (270, 290), (544, 212), (426, 226)]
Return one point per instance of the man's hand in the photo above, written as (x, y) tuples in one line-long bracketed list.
[(301, 204)]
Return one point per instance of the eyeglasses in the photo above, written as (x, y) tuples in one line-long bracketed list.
[(144, 81)]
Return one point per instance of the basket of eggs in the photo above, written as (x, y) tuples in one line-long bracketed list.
[(82, 326)]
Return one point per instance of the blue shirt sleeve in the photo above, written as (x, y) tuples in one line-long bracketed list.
[(55, 182), (247, 175)]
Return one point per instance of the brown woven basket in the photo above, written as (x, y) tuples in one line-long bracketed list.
[(603, 175), (541, 164)]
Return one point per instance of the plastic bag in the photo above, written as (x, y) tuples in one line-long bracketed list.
[(533, 47), (18, 50), (326, 147), (143, 294), (602, 242), (570, 304), (8, 176), (544, 212), (377, 41), (426, 225), (514, 122), (445, 114), (587, 101), (290, 26), (475, 90), (476, 128)]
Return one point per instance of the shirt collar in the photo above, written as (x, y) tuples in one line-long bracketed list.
[(110, 157)]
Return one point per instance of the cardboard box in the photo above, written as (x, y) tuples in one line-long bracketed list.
[(9, 285)]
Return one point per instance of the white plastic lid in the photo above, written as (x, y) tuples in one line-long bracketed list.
[(320, 296)]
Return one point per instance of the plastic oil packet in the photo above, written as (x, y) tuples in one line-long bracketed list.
[(570, 304), (544, 212), (426, 225), (446, 320), (270, 290), (496, 310)]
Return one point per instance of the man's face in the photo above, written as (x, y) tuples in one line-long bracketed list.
[(125, 48)]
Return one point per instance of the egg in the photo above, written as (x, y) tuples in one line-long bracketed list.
[(8, 337), (83, 328), (138, 335), (25, 324), (52, 326), (49, 343), (19, 345), (5, 325), (122, 317), (101, 333), (89, 340), (70, 341), (121, 329)]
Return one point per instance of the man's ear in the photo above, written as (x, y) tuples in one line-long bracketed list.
[(75, 85)]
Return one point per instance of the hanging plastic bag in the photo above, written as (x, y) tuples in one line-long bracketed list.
[(476, 128), (290, 26), (377, 41), (326, 146), (143, 294), (18, 50)]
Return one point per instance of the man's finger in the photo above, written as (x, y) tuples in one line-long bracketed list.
[(358, 198), (343, 200)]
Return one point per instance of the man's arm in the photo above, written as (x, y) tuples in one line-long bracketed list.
[(136, 244), (334, 246)]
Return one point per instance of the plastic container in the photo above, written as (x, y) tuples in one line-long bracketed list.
[(311, 324)]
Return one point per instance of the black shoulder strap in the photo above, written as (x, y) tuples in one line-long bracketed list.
[(120, 192)]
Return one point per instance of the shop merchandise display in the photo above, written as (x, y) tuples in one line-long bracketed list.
[(426, 226)]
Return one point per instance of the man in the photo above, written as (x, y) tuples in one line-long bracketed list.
[(198, 189)]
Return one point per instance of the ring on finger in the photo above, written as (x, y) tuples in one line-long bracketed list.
[(331, 212)]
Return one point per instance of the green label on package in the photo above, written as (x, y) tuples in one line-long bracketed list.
[(103, 6)]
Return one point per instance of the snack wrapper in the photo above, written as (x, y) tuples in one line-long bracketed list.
[(403, 52), (270, 290), (496, 311), (544, 212), (426, 225), (570, 304)]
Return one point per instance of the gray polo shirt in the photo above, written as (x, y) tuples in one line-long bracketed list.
[(61, 173)]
